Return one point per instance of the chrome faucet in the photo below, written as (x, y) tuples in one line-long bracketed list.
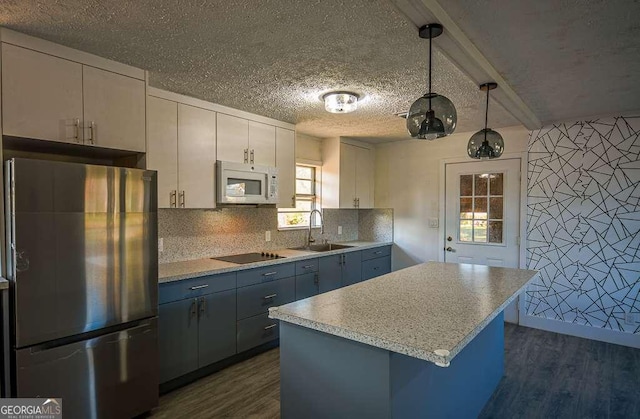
[(311, 239)]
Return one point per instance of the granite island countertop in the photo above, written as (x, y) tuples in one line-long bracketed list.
[(177, 271), (415, 311)]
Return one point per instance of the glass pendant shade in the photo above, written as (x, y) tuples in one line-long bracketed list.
[(485, 144), (428, 124), (340, 102)]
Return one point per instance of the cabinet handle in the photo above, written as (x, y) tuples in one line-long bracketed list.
[(307, 267), (357, 202), (76, 123), (246, 155), (271, 326), (92, 131), (252, 156), (315, 279), (268, 297), (199, 287), (354, 203), (182, 199), (378, 252), (293, 201), (193, 310), (172, 199), (269, 273), (203, 307)]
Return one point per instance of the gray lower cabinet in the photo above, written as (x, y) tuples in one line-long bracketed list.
[(256, 330), (216, 327), (376, 267), (337, 271), (307, 285), (178, 339)]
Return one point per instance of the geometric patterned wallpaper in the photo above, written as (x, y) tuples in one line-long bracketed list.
[(583, 222)]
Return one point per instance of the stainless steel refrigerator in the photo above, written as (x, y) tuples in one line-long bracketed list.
[(83, 268)]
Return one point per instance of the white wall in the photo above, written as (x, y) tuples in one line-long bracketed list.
[(308, 149), (407, 179)]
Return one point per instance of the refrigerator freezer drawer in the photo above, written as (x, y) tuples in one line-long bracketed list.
[(111, 376)]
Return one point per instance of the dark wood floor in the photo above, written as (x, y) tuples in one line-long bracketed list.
[(547, 375)]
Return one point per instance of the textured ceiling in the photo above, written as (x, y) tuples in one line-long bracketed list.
[(273, 57), (565, 58)]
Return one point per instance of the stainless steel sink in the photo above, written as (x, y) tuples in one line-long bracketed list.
[(322, 247)]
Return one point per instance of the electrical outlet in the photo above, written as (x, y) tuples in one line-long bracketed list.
[(339, 230), (160, 244), (267, 236), (433, 222)]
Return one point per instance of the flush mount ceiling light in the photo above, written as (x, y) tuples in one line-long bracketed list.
[(486, 143), (340, 102), (432, 115)]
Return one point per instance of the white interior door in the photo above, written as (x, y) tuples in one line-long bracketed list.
[(482, 215)]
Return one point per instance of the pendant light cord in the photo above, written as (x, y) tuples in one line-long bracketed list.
[(486, 115), (430, 42)]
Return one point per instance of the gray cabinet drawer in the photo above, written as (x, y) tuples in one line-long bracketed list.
[(256, 330), (376, 252), (376, 267), (266, 274), (191, 288), (306, 266), (257, 299)]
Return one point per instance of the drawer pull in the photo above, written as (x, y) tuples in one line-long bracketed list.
[(376, 268), (267, 297), (198, 287), (378, 252), (271, 326), (307, 267), (269, 273)]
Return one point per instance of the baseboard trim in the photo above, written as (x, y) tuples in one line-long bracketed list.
[(582, 331)]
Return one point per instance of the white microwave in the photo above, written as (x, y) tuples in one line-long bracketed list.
[(240, 183)]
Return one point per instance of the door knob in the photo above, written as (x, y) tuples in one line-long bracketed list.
[(450, 249)]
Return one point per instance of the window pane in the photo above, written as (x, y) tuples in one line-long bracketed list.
[(466, 230), (304, 172), (480, 208), (466, 185), (495, 208), (481, 184), (480, 231), (495, 186), (304, 187), (466, 207), (293, 219), (303, 205), (495, 231)]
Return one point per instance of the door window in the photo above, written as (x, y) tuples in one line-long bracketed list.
[(481, 208)]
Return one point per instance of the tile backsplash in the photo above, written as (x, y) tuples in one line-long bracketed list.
[(195, 234)]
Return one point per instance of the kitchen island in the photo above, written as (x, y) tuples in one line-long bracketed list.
[(426, 341)]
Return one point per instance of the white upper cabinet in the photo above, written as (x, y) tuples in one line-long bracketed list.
[(233, 138), (162, 148), (196, 157), (113, 110), (182, 148), (243, 141), (262, 144), (347, 175), (54, 93), (286, 164), (41, 96)]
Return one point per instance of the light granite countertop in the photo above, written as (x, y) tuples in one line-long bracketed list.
[(177, 271), (429, 311), (4, 284)]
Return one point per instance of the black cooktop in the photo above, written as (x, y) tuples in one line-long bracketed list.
[(249, 257)]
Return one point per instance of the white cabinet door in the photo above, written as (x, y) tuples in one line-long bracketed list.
[(286, 164), (41, 95), (196, 156), (162, 148), (348, 156), (262, 144), (115, 105), (364, 177), (232, 139)]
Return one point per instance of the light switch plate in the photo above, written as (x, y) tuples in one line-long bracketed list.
[(160, 244), (433, 222), (267, 236), (339, 230)]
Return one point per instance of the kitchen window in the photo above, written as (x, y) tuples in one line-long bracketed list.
[(307, 199)]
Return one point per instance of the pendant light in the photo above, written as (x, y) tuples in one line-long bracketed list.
[(486, 143), (432, 115)]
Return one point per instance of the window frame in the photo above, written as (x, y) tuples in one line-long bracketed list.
[(314, 198)]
